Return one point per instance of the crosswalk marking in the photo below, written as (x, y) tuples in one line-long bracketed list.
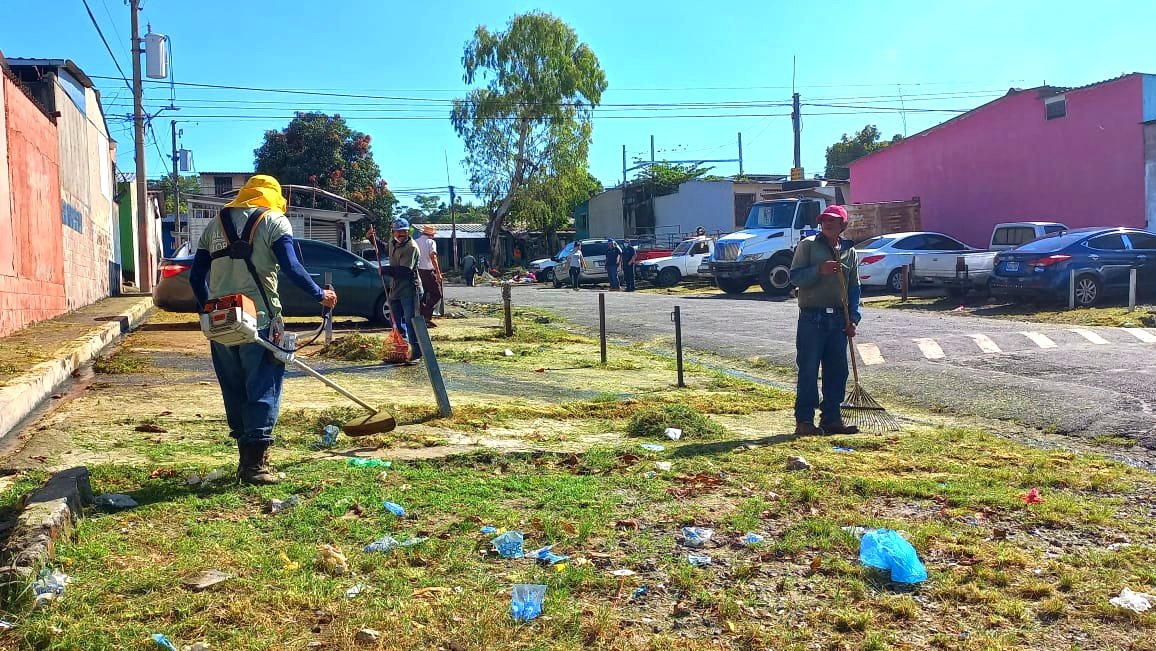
[(986, 344), (1142, 335), (1090, 336), (929, 348), (1039, 339), (870, 354)]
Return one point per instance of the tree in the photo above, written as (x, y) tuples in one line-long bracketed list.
[(547, 202), (531, 118), (323, 152), (664, 178), (188, 185), (840, 154), (428, 205)]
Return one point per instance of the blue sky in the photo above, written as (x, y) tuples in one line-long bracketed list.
[(935, 55)]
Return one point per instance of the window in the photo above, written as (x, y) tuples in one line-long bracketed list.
[(565, 252), (808, 214), (777, 214), (683, 248), (1013, 236), (943, 243), (319, 256), (1109, 242), (594, 248), (1055, 107), (878, 242), (1055, 228), (1142, 240), (222, 184), (913, 243), (700, 248)]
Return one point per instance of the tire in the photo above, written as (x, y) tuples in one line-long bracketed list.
[(895, 280), (1089, 290), (733, 285), (381, 313), (548, 275), (668, 277), (775, 278), (557, 283)]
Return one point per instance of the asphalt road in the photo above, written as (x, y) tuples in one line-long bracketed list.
[(1086, 382)]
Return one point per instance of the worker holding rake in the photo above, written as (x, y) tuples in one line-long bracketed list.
[(828, 315)]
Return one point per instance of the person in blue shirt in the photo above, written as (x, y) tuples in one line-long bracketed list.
[(613, 257), (628, 255)]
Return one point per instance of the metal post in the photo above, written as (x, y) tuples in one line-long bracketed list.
[(651, 149), (144, 250), (431, 366), (602, 324), (906, 282), (1132, 289), (740, 153), (327, 279), (797, 124), (677, 318), (506, 304), (1072, 290), (453, 231)]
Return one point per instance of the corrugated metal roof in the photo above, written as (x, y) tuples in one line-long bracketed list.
[(67, 64)]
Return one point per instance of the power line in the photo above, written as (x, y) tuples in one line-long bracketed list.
[(123, 77)]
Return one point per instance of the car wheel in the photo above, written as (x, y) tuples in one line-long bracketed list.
[(1088, 290), (733, 285), (895, 280), (776, 276), (548, 275), (557, 283), (381, 313), (668, 277)]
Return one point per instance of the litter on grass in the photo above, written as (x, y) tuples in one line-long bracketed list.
[(1135, 601), (696, 536), (652, 447), (328, 437), (1032, 497), (751, 539), (114, 501), (353, 591), (360, 462), (838, 448), (489, 528), (50, 582), (886, 550), (162, 641), (394, 508), (331, 560), (698, 560), (277, 506), (546, 556), (663, 466), (673, 433), (509, 544), (526, 601)]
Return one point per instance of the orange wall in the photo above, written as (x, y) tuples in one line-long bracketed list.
[(31, 255)]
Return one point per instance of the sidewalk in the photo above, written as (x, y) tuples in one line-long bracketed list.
[(36, 360)]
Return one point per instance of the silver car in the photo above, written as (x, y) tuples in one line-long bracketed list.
[(881, 259)]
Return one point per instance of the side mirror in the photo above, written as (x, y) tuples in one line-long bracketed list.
[(359, 266)]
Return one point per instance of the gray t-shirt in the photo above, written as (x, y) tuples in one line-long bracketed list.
[(229, 276)]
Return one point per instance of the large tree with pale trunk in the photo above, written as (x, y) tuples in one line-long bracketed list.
[(530, 117)]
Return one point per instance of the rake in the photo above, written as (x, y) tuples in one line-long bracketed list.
[(859, 408), (399, 351)]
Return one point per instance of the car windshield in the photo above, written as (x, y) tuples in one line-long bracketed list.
[(564, 253), (1051, 243), (875, 243), (776, 214), (683, 248)]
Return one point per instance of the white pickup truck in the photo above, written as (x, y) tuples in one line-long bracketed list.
[(970, 271), (684, 261)]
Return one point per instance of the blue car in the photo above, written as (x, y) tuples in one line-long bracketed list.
[(1102, 259)]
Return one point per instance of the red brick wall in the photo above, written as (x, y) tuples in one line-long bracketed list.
[(31, 255)]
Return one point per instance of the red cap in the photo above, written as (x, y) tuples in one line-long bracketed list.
[(834, 211)]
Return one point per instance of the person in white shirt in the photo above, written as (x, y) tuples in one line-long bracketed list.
[(430, 271), (574, 262)]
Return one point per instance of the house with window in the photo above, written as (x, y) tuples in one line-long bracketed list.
[(218, 184), (1082, 156)]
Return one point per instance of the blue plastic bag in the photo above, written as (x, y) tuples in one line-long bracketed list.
[(509, 544), (887, 550), (163, 641), (394, 508), (526, 601)]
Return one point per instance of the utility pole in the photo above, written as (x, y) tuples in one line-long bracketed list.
[(454, 230), (652, 149), (740, 153), (797, 124), (176, 191), (144, 261)]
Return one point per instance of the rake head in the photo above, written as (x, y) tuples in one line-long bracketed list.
[(864, 412)]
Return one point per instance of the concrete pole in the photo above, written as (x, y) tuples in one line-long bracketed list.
[(144, 264), (1072, 290), (1132, 289)]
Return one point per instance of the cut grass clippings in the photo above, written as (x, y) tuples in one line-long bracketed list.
[(654, 421), (121, 362)]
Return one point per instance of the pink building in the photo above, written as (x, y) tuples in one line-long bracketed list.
[(1081, 156)]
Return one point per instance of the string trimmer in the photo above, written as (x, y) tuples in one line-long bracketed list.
[(232, 320)]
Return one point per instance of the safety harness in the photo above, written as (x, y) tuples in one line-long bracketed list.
[(241, 247)]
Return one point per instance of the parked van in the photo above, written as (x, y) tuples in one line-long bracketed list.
[(593, 262)]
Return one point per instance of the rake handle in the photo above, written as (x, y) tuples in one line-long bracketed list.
[(847, 316)]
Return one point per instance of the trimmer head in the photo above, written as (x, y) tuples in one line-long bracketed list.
[(378, 423)]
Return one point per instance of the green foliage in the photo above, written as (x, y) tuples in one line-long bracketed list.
[(652, 423), (848, 149), (186, 184), (664, 178), (322, 151), (547, 202), (530, 118)]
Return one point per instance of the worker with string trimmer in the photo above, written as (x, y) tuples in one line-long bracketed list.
[(240, 253), (825, 322)]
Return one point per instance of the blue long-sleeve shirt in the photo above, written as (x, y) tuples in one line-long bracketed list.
[(286, 255)]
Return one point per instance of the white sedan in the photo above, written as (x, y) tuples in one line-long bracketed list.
[(881, 258)]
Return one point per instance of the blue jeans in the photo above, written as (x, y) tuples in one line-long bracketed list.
[(612, 274), (407, 308), (820, 341), (628, 272), (250, 379)]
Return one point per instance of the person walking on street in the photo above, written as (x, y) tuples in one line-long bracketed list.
[(613, 258), (823, 331), (574, 264), (628, 255), (469, 269), (406, 288), (430, 270), (249, 375)]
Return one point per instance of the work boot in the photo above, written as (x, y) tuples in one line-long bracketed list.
[(253, 470), (803, 428), (838, 427)]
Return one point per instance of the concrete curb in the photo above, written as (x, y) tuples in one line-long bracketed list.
[(27, 391), (48, 514)]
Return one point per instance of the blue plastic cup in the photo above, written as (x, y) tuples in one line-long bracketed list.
[(526, 601)]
